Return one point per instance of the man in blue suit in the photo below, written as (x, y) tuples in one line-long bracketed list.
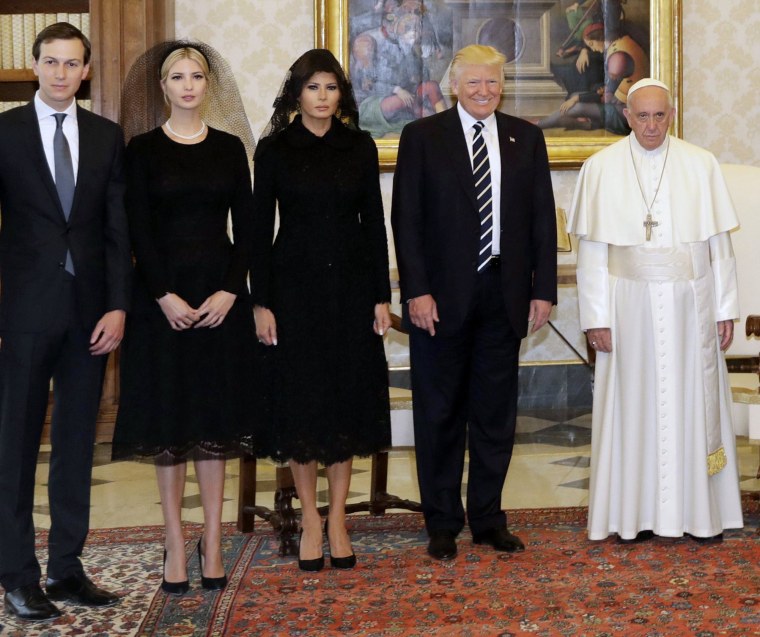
[(475, 232), (64, 287)]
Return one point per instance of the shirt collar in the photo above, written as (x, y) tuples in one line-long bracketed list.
[(640, 150), (43, 110), (468, 121)]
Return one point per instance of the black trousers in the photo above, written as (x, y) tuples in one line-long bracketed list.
[(465, 395), (28, 361)]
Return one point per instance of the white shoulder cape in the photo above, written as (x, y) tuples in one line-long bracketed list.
[(608, 207)]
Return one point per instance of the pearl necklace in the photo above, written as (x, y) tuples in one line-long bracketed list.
[(193, 136)]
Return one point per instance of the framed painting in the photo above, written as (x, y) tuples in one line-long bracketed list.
[(569, 62)]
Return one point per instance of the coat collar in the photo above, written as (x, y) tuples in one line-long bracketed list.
[(459, 154), (88, 142), (339, 136), (34, 140), (507, 144)]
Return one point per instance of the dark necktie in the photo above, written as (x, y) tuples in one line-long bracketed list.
[(481, 170), (64, 175)]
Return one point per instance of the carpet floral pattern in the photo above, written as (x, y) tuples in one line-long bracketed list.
[(561, 585)]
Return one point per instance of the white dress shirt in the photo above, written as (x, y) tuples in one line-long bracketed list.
[(47, 131), (491, 137)]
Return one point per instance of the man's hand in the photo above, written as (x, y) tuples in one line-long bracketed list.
[(539, 314), (423, 312), (569, 103), (581, 64), (725, 334), (600, 339), (405, 96), (108, 333)]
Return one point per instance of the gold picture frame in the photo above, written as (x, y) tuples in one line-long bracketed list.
[(332, 29)]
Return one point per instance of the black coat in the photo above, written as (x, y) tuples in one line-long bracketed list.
[(436, 225), (34, 235)]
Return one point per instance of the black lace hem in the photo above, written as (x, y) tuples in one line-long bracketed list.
[(304, 454), (177, 454)]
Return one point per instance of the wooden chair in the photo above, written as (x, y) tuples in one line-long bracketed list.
[(284, 517)]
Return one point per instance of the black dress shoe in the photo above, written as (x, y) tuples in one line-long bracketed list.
[(173, 588), (499, 538), (342, 563), (78, 589), (311, 566), (30, 604), (210, 583), (641, 536), (442, 545)]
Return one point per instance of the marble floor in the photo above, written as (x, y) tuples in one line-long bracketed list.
[(550, 468)]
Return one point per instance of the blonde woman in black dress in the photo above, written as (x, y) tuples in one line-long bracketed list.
[(321, 293), (186, 366)]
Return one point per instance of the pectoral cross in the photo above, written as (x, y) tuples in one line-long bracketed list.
[(649, 224)]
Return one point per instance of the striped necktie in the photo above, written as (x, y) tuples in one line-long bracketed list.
[(481, 171)]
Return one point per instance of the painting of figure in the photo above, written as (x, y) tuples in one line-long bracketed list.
[(569, 62), (396, 49), (602, 56)]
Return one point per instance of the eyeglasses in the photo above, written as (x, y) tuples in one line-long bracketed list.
[(643, 118)]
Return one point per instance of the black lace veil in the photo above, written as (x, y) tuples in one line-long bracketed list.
[(142, 102), (286, 105)]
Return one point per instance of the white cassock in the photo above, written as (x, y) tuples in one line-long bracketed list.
[(663, 453)]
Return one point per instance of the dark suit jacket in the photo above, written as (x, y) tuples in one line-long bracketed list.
[(436, 226), (34, 236)]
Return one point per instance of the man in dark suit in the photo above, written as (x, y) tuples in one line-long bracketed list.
[(475, 233), (64, 285)]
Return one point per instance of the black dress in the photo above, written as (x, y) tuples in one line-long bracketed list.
[(326, 383), (187, 390)]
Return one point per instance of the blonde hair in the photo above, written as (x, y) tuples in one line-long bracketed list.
[(184, 53), (476, 54)]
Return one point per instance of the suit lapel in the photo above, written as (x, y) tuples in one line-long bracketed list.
[(37, 153), (459, 154), (87, 148), (507, 150)]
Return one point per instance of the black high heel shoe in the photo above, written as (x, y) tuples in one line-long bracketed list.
[(173, 588), (311, 566), (210, 583), (344, 563)]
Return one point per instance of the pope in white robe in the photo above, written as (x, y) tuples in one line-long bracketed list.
[(658, 294)]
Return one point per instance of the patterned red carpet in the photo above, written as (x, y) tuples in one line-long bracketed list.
[(561, 585)]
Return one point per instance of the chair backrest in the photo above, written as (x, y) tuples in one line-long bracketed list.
[(744, 186)]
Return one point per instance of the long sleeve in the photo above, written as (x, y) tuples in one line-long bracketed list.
[(593, 285), (543, 228), (373, 226), (241, 210), (407, 216), (116, 231), (138, 204), (723, 265), (264, 207)]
